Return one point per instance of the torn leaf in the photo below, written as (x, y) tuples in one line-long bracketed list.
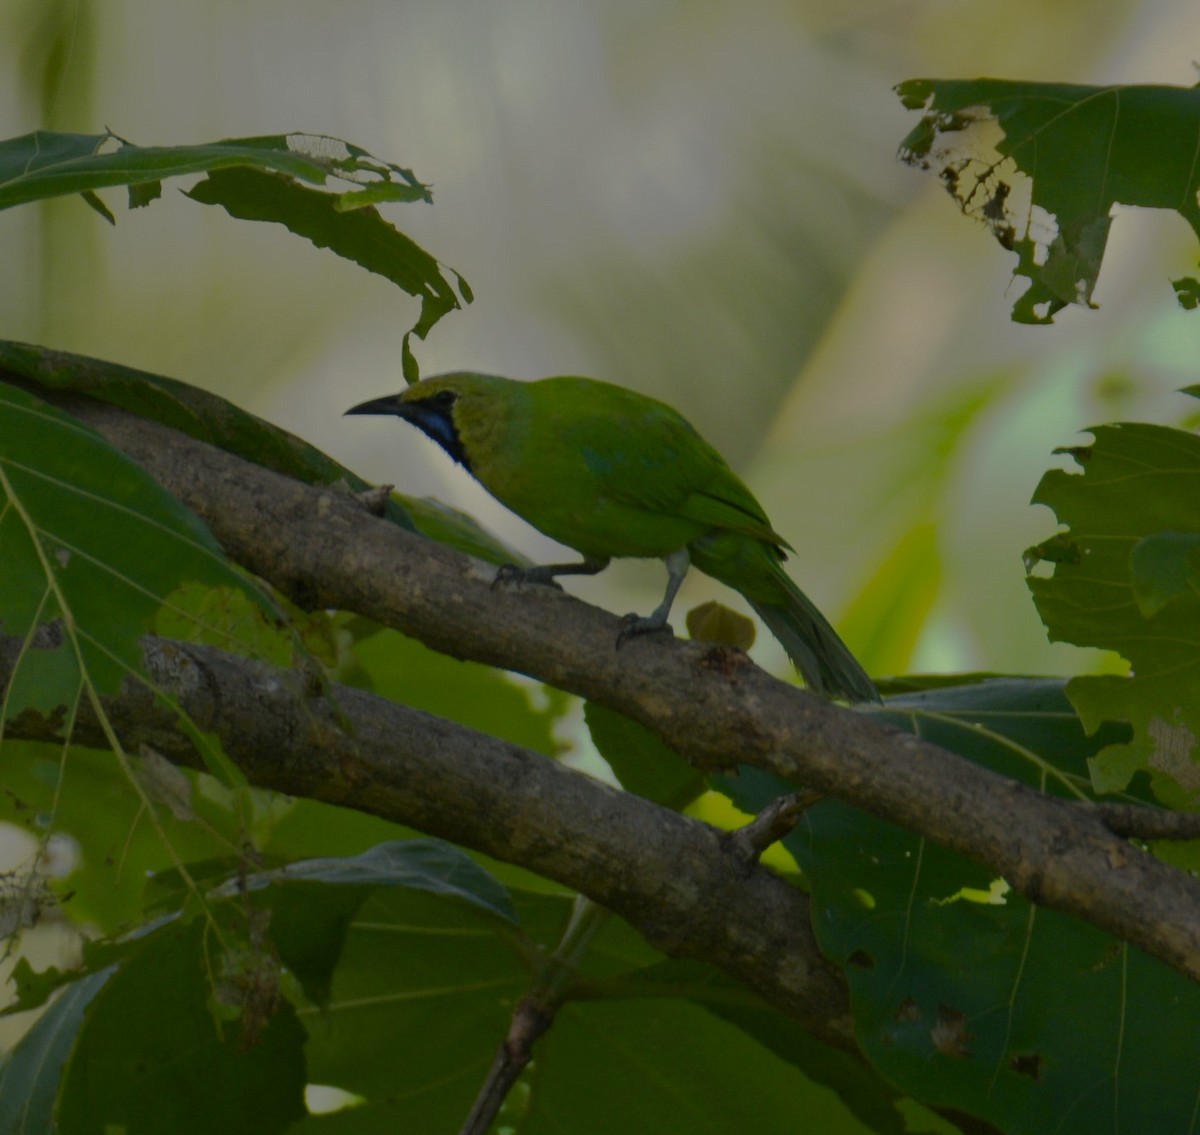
[(1044, 164)]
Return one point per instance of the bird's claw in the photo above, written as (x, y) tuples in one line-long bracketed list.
[(634, 624)]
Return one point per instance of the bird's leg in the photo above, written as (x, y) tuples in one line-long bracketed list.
[(677, 567), (545, 573)]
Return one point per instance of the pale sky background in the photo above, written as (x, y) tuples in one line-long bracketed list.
[(697, 200)]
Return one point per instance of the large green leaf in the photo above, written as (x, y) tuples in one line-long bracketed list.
[(46, 164), (255, 179), (432, 985), (30, 1074), (1126, 579), (481, 697), (966, 995), (211, 418), (640, 759), (92, 546), (86, 797), (1044, 164), (149, 1057)]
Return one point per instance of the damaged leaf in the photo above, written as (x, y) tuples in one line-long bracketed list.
[(1044, 166), (1133, 587)]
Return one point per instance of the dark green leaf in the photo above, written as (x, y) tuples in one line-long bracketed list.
[(680, 1070), (361, 235), (1163, 567), (1043, 165), (420, 864), (254, 179), (46, 164), (642, 762), (30, 1073), (1130, 587), (150, 1059), (92, 548), (964, 994)]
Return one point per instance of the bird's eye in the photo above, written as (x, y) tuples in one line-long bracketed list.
[(444, 399)]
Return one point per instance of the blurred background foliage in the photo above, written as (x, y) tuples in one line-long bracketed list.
[(700, 200)]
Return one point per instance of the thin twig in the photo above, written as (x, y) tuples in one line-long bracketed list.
[(534, 1013), (774, 822)]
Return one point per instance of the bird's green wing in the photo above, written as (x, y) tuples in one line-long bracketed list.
[(728, 504), (672, 470)]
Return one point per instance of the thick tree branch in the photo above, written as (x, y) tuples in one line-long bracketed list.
[(673, 878), (716, 709)]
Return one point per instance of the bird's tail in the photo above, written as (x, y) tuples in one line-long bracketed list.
[(824, 661), (755, 568)]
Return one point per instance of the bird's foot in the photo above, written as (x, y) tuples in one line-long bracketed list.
[(634, 624), (511, 573)]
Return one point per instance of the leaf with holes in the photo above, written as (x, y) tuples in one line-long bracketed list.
[(257, 179), (966, 995), (1125, 579), (1044, 165)]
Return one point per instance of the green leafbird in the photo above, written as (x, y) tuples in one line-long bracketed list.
[(610, 472)]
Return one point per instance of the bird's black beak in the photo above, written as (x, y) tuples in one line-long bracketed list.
[(389, 404)]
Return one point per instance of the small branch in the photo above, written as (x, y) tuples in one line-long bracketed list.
[(529, 1021), (774, 822), (534, 1013), (1138, 821)]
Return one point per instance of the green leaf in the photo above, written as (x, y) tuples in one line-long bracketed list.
[(430, 865), (46, 164), (1044, 164), (195, 412), (432, 985), (966, 995), (1129, 585), (360, 234), (254, 179), (92, 545), (86, 795), (149, 1058), (212, 419), (861, 1090), (470, 693), (427, 981), (451, 526), (1163, 567), (681, 1071), (641, 761), (31, 1072)]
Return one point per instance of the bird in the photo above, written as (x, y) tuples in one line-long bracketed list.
[(610, 472)]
